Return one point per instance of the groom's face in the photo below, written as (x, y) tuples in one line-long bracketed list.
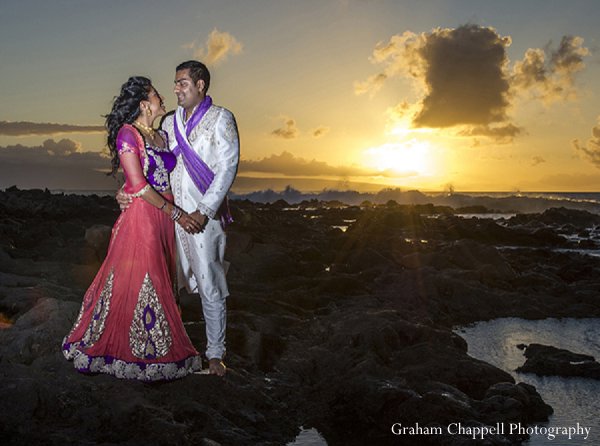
[(189, 94)]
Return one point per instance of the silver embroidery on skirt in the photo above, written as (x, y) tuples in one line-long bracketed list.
[(149, 334), (98, 321), (84, 306)]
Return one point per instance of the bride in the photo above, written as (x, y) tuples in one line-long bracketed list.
[(129, 325)]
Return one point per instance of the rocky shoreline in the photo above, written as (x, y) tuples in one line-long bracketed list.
[(348, 332)]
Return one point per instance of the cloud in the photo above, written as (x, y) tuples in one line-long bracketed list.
[(320, 131), (461, 71), (55, 165), (590, 153), (51, 153), (537, 160), (25, 128), (219, 45), (502, 133), (398, 111), (550, 74), (288, 131), (464, 77), (288, 164), (372, 85)]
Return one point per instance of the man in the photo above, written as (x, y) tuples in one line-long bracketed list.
[(205, 139)]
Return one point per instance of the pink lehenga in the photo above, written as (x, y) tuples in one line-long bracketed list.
[(129, 325)]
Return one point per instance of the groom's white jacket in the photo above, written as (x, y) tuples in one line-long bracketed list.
[(201, 264)]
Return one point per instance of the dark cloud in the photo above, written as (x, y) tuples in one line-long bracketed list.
[(288, 131), (465, 78), (51, 153), (288, 164), (55, 165), (24, 128), (462, 71), (550, 74), (320, 131), (591, 152)]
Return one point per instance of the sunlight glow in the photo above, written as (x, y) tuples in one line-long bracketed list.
[(405, 158), (401, 130)]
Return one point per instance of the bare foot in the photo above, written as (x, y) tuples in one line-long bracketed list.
[(216, 367)]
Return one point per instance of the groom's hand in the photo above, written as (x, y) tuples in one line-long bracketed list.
[(200, 218), (123, 199)]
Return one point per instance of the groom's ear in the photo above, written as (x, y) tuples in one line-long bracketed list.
[(200, 85)]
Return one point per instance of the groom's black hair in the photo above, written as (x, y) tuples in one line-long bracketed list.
[(197, 71)]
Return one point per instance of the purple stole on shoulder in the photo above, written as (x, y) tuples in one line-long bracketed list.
[(195, 166)]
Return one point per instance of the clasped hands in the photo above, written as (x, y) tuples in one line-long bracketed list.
[(191, 223)]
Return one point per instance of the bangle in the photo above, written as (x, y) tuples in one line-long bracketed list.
[(176, 213), (163, 205), (141, 192)]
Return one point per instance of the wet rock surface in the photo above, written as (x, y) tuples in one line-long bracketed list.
[(546, 360), (345, 331)]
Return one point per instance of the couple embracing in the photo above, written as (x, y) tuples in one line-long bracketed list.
[(175, 194)]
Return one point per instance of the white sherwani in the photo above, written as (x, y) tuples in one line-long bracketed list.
[(201, 265)]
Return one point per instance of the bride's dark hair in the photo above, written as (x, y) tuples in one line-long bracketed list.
[(125, 109)]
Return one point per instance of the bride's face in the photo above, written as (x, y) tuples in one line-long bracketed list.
[(155, 104)]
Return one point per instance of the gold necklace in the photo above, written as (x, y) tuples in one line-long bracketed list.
[(149, 130)]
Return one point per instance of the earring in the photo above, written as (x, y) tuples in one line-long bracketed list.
[(148, 112)]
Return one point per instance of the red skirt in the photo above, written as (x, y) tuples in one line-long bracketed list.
[(129, 325)]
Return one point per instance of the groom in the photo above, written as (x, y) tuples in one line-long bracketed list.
[(205, 139)]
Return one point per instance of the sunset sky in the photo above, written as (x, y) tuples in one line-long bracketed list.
[(477, 95)]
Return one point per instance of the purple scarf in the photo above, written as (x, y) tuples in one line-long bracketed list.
[(197, 169)]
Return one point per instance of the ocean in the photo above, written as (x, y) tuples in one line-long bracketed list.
[(351, 197), (574, 400)]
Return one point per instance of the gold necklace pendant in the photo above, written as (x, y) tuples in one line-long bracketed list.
[(144, 128)]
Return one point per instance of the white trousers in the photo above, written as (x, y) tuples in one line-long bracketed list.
[(215, 317), (201, 269)]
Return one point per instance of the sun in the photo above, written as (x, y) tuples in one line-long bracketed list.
[(410, 157)]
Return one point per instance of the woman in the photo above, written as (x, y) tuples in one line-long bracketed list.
[(129, 325)]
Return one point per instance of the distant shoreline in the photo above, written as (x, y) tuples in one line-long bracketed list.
[(470, 202)]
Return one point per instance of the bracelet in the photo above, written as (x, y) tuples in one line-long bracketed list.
[(163, 205), (176, 213), (141, 191)]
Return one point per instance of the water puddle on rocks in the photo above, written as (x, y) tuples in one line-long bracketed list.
[(308, 437), (574, 400), (5, 322)]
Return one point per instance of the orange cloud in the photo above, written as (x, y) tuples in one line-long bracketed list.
[(551, 74), (537, 160), (290, 165), (590, 153), (502, 133), (320, 131), (288, 131), (219, 45)]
